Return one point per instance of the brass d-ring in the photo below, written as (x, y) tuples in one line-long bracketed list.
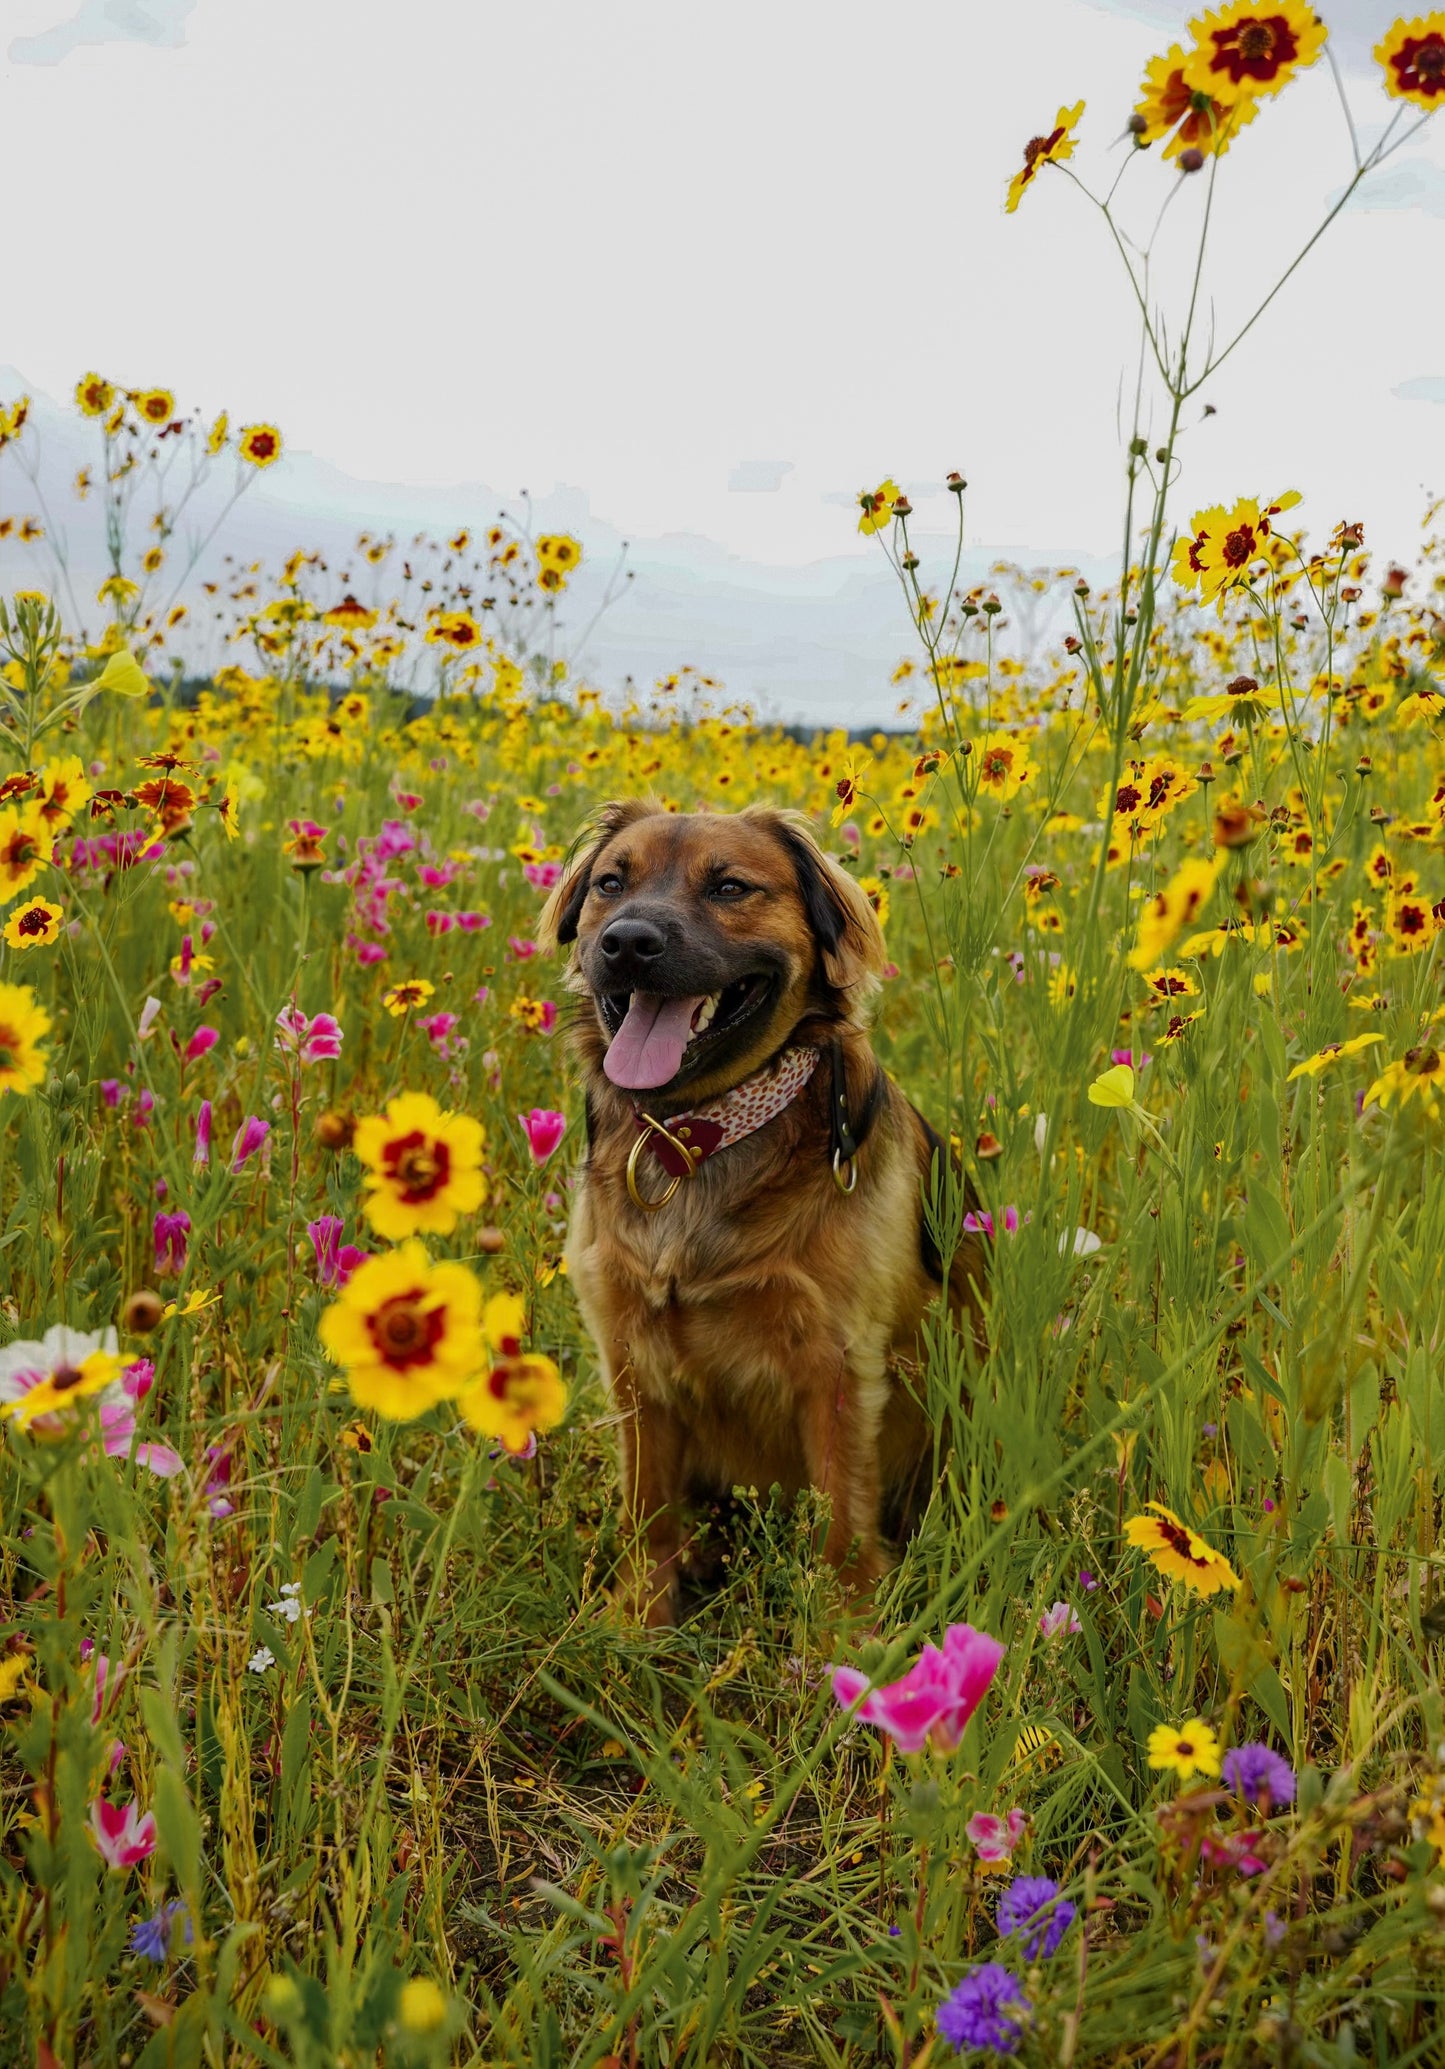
[(687, 1155), (844, 1185)]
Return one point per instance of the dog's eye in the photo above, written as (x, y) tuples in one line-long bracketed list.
[(731, 887), (608, 885)]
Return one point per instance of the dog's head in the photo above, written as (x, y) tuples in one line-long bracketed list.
[(705, 941)]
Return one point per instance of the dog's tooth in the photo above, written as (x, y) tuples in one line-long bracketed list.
[(705, 1012)]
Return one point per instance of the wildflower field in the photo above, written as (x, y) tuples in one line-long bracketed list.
[(324, 1739)]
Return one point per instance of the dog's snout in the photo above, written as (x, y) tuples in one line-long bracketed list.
[(634, 942)]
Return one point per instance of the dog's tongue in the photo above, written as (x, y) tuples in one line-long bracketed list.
[(646, 1050)]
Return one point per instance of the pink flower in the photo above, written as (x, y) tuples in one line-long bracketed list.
[(203, 1039), (112, 1091), (203, 1134), (335, 1260), (437, 875), (438, 922), (936, 1697), (519, 950), (1060, 1621), (438, 1028), (138, 1378), (995, 1838), (544, 1130), (471, 922), (542, 875), (117, 1424), (171, 1232), (123, 1838), (314, 1041), (249, 1138)]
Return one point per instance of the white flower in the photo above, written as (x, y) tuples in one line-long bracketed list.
[(290, 1604), (1060, 1621), (1084, 1245), (262, 1658), (58, 1347)]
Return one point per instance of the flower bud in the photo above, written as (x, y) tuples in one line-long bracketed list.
[(490, 1241), (142, 1312), (1191, 160), (334, 1131), (956, 483)]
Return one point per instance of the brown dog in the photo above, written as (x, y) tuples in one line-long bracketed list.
[(755, 1275)]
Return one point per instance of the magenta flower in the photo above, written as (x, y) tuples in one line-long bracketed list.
[(519, 950), (203, 1039), (313, 1041), (249, 1137), (117, 1426), (439, 922), (542, 875), (1060, 1621), (438, 1028), (112, 1092), (138, 1378), (171, 1231), (472, 922), (218, 1501), (936, 1697), (544, 1130), (203, 1133), (995, 1838), (123, 1838), (335, 1260), (981, 1224)]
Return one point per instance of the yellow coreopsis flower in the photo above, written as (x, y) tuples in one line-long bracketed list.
[(524, 1392), (35, 924), (877, 505), (93, 395), (1045, 150), (26, 845), (1418, 1074), (408, 1332), (1171, 910), (1331, 1053), (1179, 1552), (259, 444), (1206, 122), (1412, 55), (424, 1167), (1224, 544), (1185, 1750), (1253, 46), (401, 998)]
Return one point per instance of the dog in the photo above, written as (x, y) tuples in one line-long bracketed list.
[(747, 1241)]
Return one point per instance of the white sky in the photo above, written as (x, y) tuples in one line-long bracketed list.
[(635, 247)]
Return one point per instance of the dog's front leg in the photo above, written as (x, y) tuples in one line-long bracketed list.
[(838, 1430), (651, 1459)]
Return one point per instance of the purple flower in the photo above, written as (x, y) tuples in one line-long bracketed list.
[(203, 1133), (151, 1938), (1259, 1775), (986, 2009), (248, 1139), (1087, 1581), (203, 1039), (1032, 1907), (217, 1500), (315, 1041), (112, 1091), (335, 1260), (171, 1231)]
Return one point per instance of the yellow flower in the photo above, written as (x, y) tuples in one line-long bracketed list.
[(1045, 150), (156, 405), (216, 436), (1417, 1074), (1206, 122), (1179, 1552), (26, 845), (524, 1391), (1223, 545), (877, 505), (458, 630), (35, 924), (64, 1385), (196, 1302), (93, 396), (402, 997), (557, 555), (13, 1670), (876, 892), (1169, 911), (421, 2008), (1413, 57), (1190, 1749), (1331, 1052), (1115, 1087), (855, 767), (123, 674), (1004, 766), (259, 444), (408, 1332), (424, 1167), (1253, 46)]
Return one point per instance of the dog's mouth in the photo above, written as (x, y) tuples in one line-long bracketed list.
[(653, 1035)]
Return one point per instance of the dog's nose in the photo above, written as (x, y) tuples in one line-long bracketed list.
[(635, 941)]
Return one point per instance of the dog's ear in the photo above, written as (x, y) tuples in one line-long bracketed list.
[(845, 926), (560, 915)]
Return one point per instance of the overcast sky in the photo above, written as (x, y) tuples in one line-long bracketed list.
[(717, 266)]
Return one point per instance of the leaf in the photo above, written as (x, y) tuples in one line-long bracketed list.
[(179, 1827), (1432, 1620)]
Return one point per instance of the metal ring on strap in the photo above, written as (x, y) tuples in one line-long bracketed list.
[(690, 1158), (844, 1185)]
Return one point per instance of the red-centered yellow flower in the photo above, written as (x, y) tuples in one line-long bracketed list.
[(64, 791), (218, 433), (351, 614), (1004, 766), (26, 845), (1045, 150), (1224, 545), (524, 1391), (558, 554), (1185, 1750), (156, 405), (22, 1024), (424, 1167), (1200, 121), (1179, 1552), (1418, 1074), (1331, 1053), (1170, 911), (259, 444), (93, 395), (877, 505), (407, 1332), (1253, 46), (458, 630), (1409, 920), (35, 924), (1413, 57), (402, 997)]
